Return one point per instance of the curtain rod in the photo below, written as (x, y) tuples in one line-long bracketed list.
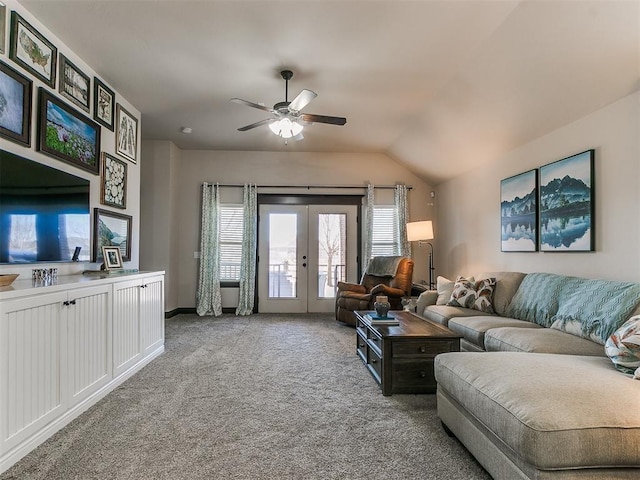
[(309, 187)]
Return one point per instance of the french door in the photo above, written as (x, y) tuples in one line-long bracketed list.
[(304, 250)]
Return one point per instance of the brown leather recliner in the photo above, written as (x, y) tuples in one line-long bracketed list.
[(362, 296)]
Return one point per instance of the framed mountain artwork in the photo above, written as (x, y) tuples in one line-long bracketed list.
[(519, 212), (566, 198)]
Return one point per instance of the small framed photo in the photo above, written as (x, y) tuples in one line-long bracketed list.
[(3, 25), (103, 104), (111, 229), (73, 84), (126, 134), (66, 134), (29, 49), (113, 191), (112, 258), (15, 98)]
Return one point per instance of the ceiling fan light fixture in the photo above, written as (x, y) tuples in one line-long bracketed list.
[(285, 128)]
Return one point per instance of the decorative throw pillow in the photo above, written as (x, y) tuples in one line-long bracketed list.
[(445, 289), (623, 347), (476, 295)]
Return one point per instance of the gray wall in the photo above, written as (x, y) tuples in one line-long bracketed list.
[(468, 207), (173, 205)]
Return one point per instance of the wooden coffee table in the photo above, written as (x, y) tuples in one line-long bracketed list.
[(400, 358)]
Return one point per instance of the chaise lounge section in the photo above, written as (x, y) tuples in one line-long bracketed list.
[(534, 395)]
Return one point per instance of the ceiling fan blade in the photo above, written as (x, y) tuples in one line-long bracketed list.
[(251, 104), (312, 118), (302, 100), (257, 124)]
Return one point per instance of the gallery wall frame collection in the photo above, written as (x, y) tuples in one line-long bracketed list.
[(564, 194), (15, 99)]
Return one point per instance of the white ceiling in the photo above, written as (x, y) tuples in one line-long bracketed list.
[(441, 86)]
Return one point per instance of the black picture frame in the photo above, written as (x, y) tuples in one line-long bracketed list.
[(519, 212), (16, 91), (111, 229), (3, 26), (113, 181), (104, 104), (567, 204), (32, 51), (66, 134), (126, 134), (74, 85)]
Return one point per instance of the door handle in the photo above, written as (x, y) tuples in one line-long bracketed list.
[(304, 265)]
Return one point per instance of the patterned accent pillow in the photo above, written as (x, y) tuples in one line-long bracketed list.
[(623, 347), (445, 289), (476, 295)]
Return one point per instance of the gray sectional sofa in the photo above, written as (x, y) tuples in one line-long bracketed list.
[(533, 394)]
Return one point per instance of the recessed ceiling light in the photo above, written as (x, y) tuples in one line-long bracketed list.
[(186, 130)]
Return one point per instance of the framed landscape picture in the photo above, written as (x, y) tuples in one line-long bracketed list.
[(519, 212), (113, 189), (74, 85), (66, 134), (103, 104), (111, 229), (15, 103), (126, 134), (29, 49), (566, 198)]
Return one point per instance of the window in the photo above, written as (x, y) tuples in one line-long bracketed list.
[(385, 233), (231, 226)]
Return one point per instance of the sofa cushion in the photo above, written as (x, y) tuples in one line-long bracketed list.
[(476, 295), (623, 347), (507, 284), (544, 407), (442, 313), (473, 329), (540, 340), (537, 298)]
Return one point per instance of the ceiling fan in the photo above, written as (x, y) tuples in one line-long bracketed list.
[(288, 119)]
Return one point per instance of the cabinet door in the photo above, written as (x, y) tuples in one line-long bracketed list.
[(127, 347), (152, 314), (89, 345), (32, 358)]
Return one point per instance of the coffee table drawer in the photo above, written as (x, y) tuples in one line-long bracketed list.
[(417, 377), (375, 362), (424, 347)]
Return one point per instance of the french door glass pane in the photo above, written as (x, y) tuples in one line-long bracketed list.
[(283, 234), (332, 252)]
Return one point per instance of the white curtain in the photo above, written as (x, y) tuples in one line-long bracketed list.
[(402, 215), (249, 246), (208, 299), (368, 226)]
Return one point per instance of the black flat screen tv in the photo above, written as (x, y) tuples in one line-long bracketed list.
[(44, 213)]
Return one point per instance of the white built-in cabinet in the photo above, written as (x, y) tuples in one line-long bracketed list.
[(65, 346)]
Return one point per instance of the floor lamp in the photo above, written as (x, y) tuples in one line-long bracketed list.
[(420, 232)]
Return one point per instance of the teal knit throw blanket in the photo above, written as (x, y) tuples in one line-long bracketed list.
[(600, 306)]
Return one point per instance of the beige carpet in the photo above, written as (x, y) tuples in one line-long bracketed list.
[(259, 397)]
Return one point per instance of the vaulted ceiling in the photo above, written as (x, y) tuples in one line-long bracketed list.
[(441, 86)]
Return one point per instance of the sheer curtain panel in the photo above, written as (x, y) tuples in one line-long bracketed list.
[(402, 217)]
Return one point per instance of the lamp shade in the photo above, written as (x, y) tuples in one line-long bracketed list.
[(420, 231)]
